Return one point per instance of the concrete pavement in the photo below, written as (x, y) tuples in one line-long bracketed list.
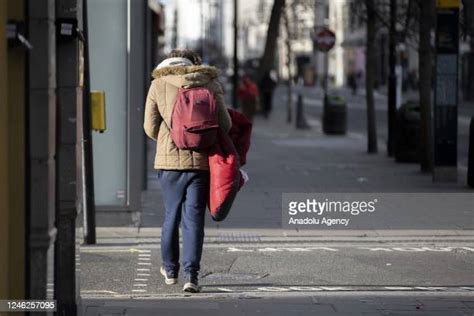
[(284, 160), (357, 116)]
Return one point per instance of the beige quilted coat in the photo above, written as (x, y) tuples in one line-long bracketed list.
[(159, 107)]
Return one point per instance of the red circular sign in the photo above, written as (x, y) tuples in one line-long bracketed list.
[(324, 39)]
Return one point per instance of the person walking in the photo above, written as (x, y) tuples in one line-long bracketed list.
[(183, 173), (249, 97), (267, 85), (352, 82)]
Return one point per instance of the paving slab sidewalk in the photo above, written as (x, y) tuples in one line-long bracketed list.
[(283, 159)]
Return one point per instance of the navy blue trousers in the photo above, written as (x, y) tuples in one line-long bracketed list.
[(185, 198)]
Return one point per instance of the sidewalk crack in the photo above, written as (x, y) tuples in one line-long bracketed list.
[(231, 264)]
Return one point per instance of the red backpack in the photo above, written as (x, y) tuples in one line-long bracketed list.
[(194, 122)]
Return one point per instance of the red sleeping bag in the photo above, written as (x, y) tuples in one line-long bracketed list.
[(240, 134), (225, 176)]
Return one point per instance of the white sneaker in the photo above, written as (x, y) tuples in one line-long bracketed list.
[(168, 280), (191, 285)]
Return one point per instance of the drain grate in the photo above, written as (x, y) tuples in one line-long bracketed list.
[(237, 237)]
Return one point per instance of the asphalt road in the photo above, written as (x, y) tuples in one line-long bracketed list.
[(251, 269)]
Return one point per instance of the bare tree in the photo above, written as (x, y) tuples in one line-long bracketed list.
[(376, 14), (469, 19), (426, 57), (370, 76), (392, 78), (268, 57), (469, 30), (289, 56)]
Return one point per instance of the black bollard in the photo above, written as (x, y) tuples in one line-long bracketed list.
[(470, 164), (300, 118)]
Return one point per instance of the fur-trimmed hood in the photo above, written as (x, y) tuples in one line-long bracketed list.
[(183, 70), (186, 76)]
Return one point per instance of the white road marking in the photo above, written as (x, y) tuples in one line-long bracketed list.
[(332, 288), (345, 289), (272, 289), (418, 249), (140, 281), (323, 248), (233, 249), (383, 249), (408, 249), (304, 288), (430, 288), (97, 291), (308, 289), (113, 250)]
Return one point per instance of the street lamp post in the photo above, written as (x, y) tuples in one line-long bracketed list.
[(235, 78)]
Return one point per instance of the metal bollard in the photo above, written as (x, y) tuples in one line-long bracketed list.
[(301, 122), (470, 164)]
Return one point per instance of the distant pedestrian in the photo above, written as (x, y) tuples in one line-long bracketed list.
[(267, 86), (249, 97), (352, 81), (181, 82)]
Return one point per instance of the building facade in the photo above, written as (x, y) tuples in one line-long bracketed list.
[(43, 51)]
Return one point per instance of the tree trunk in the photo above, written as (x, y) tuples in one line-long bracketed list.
[(427, 12), (235, 77), (468, 85), (289, 104), (469, 20), (268, 58), (392, 79), (370, 76)]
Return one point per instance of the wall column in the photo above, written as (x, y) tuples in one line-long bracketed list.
[(4, 167), (16, 157), (42, 133)]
